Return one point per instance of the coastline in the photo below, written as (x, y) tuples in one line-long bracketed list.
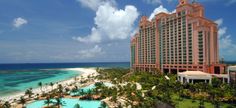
[(84, 72)]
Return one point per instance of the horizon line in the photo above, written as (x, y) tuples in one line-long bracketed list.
[(68, 62)]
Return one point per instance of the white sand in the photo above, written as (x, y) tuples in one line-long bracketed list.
[(85, 72)]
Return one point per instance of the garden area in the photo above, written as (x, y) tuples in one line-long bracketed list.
[(159, 89)]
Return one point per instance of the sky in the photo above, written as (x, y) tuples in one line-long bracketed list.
[(50, 31)]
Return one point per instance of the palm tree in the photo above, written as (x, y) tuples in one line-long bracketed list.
[(74, 91), (89, 93), (6, 105), (77, 106), (81, 92), (97, 69), (76, 88), (60, 89), (200, 93), (51, 84), (114, 98), (166, 90), (98, 84), (67, 90), (29, 92), (48, 100), (103, 105), (40, 84), (81, 79), (58, 102), (22, 101), (120, 106), (37, 96), (215, 94), (216, 82)]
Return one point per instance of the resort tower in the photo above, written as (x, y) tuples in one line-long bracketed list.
[(177, 42)]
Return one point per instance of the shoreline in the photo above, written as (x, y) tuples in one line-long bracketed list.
[(84, 72)]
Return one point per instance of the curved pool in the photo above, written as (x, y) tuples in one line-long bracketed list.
[(68, 103), (90, 87)]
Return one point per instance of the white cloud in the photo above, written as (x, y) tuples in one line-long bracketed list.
[(94, 37), (222, 31), (174, 11), (18, 22), (226, 42), (227, 47), (94, 4), (111, 24), (154, 2), (91, 53), (158, 10), (219, 21)]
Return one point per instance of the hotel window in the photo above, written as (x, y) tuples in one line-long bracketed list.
[(179, 14), (200, 47), (183, 12)]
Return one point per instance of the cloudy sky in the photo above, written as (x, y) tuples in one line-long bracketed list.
[(34, 31)]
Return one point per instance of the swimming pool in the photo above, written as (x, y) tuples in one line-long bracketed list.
[(68, 103), (90, 87)]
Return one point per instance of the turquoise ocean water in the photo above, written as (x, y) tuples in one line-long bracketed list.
[(19, 77), (18, 81)]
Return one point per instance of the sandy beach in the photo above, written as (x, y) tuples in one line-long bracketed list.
[(84, 72)]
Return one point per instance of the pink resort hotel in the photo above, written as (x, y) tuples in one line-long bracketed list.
[(177, 42)]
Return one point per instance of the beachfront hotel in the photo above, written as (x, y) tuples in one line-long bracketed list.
[(181, 41)]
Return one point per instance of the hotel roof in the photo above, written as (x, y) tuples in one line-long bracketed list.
[(232, 68), (193, 73), (200, 73)]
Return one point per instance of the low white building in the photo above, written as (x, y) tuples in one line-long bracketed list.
[(199, 76), (194, 76), (232, 74)]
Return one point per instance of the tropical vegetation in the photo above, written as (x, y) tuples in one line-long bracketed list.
[(158, 90)]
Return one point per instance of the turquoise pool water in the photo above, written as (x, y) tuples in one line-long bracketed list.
[(68, 103), (90, 87), (87, 88)]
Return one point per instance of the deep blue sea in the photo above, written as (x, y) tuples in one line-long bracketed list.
[(19, 77), (28, 66)]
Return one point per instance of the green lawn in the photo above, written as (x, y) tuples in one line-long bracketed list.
[(187, 103)]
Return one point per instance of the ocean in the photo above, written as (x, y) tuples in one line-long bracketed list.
[(19, 77)]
